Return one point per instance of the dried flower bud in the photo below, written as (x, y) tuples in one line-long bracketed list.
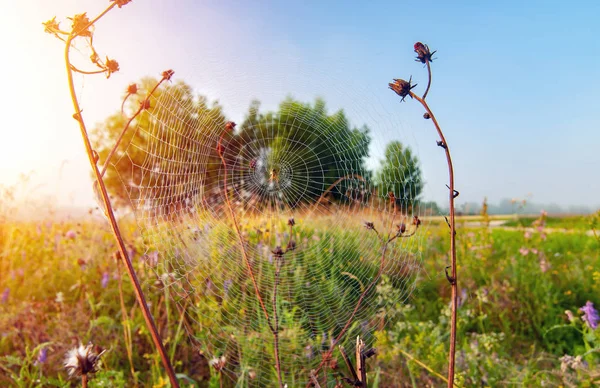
[(167, 74), (121, 3), (423, 53), (369, 225), (218, 363), (416, 221), (132, 89), (401, 87), (80, 25), (291, 222), (230, 126), (278, 252), (426, 116), (402, 228), (51, 26), (112, 66), (441, 144), (145, 104)]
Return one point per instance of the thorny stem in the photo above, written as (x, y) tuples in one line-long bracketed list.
[(110, 214), (136, 114), (453, 279)]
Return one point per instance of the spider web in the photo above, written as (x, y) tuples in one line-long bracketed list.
[(278, 167)]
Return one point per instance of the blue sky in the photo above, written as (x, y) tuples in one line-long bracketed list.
[(515, 85)]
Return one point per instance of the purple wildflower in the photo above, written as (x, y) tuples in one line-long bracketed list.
[(105, 279), (42, 356), (590, 315), (5, 295)]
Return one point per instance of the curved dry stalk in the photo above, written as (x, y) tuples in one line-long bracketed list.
[(108, 207), (274, 328), (451, 278), (143, 105)]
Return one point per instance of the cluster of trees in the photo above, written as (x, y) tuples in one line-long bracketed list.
[(168, 159)]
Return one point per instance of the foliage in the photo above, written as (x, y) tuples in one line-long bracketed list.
[(400, 175), (517, 285)]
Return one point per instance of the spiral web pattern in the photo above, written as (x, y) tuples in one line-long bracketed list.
[(322, 290)]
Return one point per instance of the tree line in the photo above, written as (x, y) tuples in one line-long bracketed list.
[(168, 158)]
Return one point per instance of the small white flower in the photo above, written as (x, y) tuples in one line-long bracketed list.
[(60, 297)]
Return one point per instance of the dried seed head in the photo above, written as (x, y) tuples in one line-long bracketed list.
[(112, 66), (291, 222), (278, 252), (218, 363), (230, 126), (121, 3), (51, 26), (402, 87), (423, 53), (83, 360), (80, 25), (132, 89), (426, 116), (402, 228), (416, 221), (369, 225), (167, 74)]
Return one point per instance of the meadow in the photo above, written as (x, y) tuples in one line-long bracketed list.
[(520, 321)]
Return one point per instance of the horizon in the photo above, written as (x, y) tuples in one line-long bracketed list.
[(507, 140)]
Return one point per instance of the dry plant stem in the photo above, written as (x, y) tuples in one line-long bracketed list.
[(276, 320), (126, 328), (110, 214), (136, 114), (422, 365), (84, 380), (327, 355), (453, 279), (239, 233), (429, 80)]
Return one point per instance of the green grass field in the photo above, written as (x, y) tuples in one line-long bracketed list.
[(61, 284)]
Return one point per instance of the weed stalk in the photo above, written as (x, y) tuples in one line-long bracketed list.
[(81, 28)]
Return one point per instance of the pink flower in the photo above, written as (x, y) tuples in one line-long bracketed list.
[(71, 234), (524, 251), (527, 235)]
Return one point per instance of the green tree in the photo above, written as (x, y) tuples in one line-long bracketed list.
[(307, 148), (400, 175), (167, 158)]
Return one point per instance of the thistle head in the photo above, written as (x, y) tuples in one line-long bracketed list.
[(83, 360), (424, 55), (230, 126), (401, 87)]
